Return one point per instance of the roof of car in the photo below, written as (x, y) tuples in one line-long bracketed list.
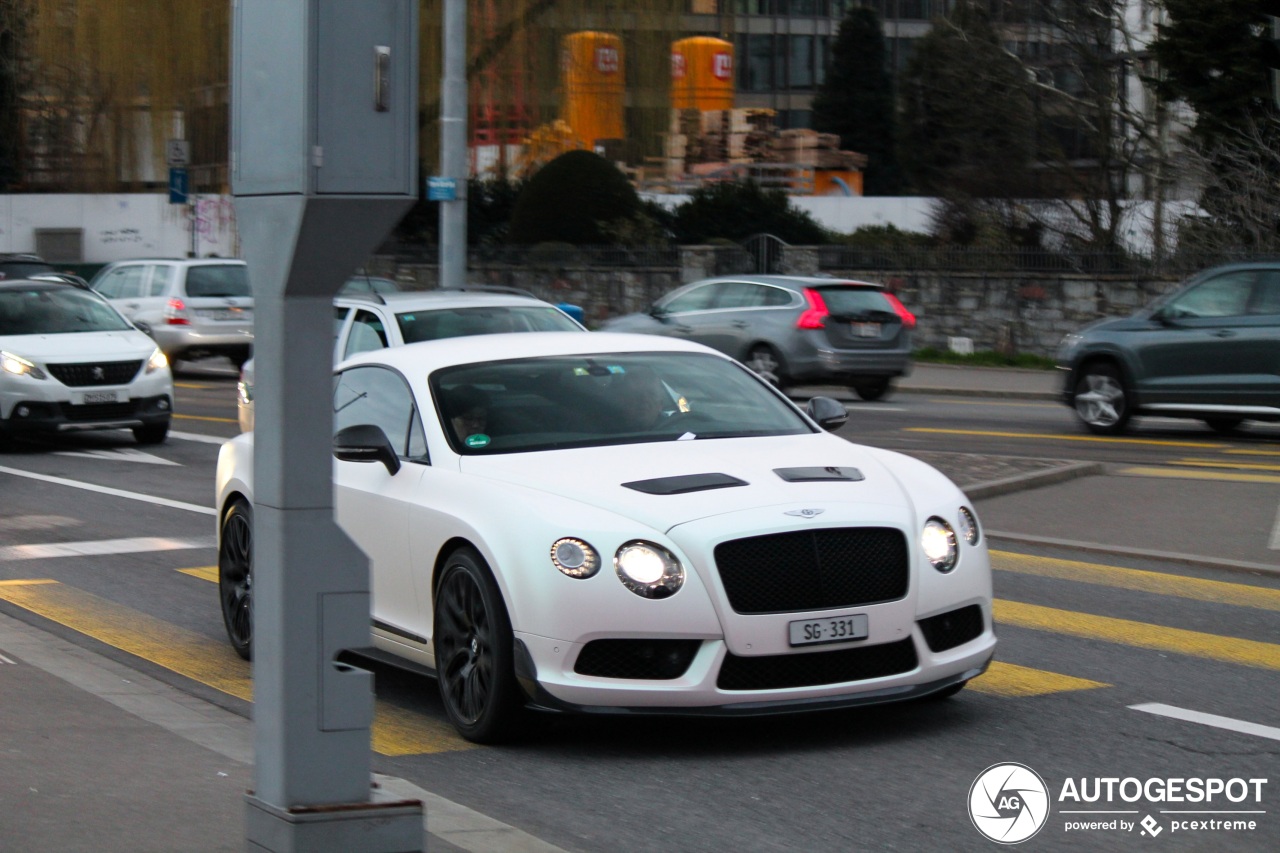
[(793, 281), (412, 359), (422, 299), (192, 261), (36, 284)]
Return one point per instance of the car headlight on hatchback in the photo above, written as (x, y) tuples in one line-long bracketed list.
[(157, 361), (648, 570), (19, 366), (575, 558), (938, 540)]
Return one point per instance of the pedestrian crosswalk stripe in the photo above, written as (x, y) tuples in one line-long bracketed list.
[(395, 731), (1008, 679), (1138, 634), (1192, 474), (1217, 592), (101, 547)]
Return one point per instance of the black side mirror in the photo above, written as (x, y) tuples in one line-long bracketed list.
[(365, 443), (657, 312), (828, 413)]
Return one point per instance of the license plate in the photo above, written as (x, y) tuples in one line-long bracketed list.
[(866, 330), (90, 397), (833, 629), (224, 314)]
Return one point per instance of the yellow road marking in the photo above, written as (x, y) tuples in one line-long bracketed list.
[(1056, 436), (1184, 474), (1217, 592), (1008, 679), (954, 402), (1138, 634), (196, 385), (1244, 452), (205, 573), (1226, 463), (396, 731), (207, 418)]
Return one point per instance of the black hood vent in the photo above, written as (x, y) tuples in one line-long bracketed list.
[(684, 483), (818, 475)]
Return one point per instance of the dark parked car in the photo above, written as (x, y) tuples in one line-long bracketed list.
[(791, 329), (23, 266), (1210, 350)]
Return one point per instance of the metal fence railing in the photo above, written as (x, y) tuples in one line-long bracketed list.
[(961, 259)]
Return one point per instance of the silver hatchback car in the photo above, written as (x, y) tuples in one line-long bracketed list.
[(194, 308), (791, 329)]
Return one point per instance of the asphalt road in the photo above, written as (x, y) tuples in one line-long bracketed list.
[(1090, 640)]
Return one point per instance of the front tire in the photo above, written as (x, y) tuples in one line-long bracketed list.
[(1224, 426), (474, 648), (151, 433), (1101, 401), (235, 577)]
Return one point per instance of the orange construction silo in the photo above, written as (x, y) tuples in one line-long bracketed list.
[(702, 74), (594, 84)]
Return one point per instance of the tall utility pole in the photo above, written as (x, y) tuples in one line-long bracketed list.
[(323, 164), (453, 146)]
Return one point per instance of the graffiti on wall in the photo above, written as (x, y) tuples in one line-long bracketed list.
[(214, 221)]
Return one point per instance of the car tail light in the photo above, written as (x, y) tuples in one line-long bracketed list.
[(175, 313), (908, 319), (815, 316)]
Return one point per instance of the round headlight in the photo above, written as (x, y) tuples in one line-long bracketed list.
[(939, 543), (648, 570), (156, 361), (968, 525), (575, 558)]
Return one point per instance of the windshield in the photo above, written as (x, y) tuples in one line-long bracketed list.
[(605, 399), (436, 323), (218, 280), (55, 310)]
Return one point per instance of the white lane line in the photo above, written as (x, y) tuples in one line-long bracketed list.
[(106, 490), (195, 436), (4, 659), (1228, 723), (117, 454), (103, 546), (1275, 533)]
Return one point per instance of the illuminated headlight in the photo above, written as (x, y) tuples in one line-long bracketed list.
[(19, 366), (245, 391), (968, 524), (156, 362), (939, 543), (648, 570), (575, 558)]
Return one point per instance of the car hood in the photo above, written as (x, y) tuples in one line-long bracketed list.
[(668, 480), (74, 347), (1119, 324)]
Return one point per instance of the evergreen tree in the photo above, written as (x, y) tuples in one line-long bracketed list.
[(1217, 56), (856, 100), (967, 124)]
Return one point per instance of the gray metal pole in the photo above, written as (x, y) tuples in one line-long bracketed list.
[(453, 145)]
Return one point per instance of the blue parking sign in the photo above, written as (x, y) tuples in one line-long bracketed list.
[(177, 185)]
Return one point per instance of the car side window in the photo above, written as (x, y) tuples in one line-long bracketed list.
[(161, 276), (697, 299), (380, 396), (123, 283), (741, 294), (1266, 296), (1226, 295), (367, 333)]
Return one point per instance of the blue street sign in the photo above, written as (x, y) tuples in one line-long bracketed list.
[(177, 185), (442, 189)]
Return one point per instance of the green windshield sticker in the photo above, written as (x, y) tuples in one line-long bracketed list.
[(477, 440)]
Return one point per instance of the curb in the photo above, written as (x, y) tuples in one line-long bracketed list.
[(1022, 482)]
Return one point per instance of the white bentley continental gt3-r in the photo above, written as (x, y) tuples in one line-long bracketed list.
[(617, 523)]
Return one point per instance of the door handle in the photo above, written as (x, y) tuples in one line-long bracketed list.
[(1225, 333), (739, 324)]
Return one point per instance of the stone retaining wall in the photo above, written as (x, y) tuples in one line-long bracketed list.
[(1010, 312)]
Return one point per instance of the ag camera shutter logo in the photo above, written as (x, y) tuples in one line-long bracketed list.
[(1008, 803)]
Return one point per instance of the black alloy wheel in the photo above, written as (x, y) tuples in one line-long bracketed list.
[(235, 577), (474, 651)]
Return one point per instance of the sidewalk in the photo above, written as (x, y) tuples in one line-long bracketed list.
[(100, 757)]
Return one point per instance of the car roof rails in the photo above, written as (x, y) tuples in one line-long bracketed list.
[(61, 277), (494, 288)]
